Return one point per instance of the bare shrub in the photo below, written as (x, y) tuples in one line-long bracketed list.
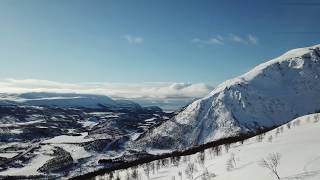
[(242, 141), (206, 175), (152, 166), (231, 162), (186, 159), (289, 125), (277, 131), (135, 174), (164, 162), (316, 118), (158, 165), (296, 123), (210, 150), (308, 119), (180, 175), (281, 129), (190, 169), (227, 147), (175, 161), (260, 137), (201, 157), (147, 169), (127, 177), (217, 150), (271, 163)]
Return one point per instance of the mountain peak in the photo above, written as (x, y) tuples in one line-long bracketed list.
[(269, 95)]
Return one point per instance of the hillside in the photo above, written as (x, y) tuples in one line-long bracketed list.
[(296, 143), (269, 95)]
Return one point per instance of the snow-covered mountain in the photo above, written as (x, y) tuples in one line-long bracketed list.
[(66, 100), (269, 95)]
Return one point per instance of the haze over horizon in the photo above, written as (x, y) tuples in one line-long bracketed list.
[(144, 49)]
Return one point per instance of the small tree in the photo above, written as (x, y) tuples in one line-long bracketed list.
[(281, 129), (185, 159), (180, 174), (277, 131), (270, 138), (127, 177), (316, 118), (111, 175), (227, 147), (135, 174), (175, 161), (217, 150), (152, 166), (210, 150), (260, 137), (147, 169), (242, 141), (158, 165), (231, 162), (164, 162), (190, 170), (289, 125), (201, 157), (271, 163), (206, 175)]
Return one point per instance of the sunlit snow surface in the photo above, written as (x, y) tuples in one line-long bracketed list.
[(298, 145), (269, 95), (31, 168)]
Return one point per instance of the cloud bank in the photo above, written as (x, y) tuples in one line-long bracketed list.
[(227, 39), (153, 90)]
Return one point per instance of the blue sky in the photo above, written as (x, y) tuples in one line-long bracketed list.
[(75, 41)]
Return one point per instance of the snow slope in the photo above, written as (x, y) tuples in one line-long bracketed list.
[(298, 146), (31, 167), (269, 95)]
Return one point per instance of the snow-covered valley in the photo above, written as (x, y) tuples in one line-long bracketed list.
[(54, 139)]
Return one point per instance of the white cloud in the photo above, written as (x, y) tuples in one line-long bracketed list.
[(236, 38), (218, 40), (221, 40), (133, 39), (153, 90), (252, 39), (215, 41)]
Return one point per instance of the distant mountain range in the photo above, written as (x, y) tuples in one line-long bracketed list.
[(66, 100)]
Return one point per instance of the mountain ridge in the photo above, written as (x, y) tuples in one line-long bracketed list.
[(269, 95), (66, 100)]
